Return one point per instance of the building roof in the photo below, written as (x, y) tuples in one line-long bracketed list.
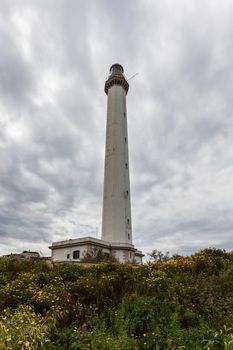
[(94, 241)]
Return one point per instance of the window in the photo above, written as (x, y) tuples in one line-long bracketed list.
[(129, 237), (128, 221), (67, 256), (124, 114), (76, 254), (125, 140), (126, 165)]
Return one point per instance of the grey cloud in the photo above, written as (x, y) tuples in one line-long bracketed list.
[(16, 80)]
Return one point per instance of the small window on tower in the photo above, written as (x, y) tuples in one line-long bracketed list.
[(128, 236), (126, 165), (124, 114), (67, 256), (128, 221), (125, 139)]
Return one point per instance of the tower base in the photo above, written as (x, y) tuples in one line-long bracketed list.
[(74, 250)]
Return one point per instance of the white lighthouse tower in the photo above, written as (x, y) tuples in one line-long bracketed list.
[(116, 216)]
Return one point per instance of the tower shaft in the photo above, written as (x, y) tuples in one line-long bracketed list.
[(116, 220)]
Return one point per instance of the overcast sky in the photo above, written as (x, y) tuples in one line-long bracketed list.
[(54, 58)]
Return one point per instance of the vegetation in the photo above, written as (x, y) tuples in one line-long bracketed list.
[(157, 255), (96, 255), (183, 303)]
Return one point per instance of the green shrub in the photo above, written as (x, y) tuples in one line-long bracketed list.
[(181, 303), (23, 329)]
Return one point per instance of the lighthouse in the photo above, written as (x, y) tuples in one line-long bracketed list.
[(116, 212), (116, 237)]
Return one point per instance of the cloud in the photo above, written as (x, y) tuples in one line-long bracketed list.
[(54, 59)]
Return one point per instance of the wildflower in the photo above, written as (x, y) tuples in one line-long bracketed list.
[(81, 334), (84, 325)]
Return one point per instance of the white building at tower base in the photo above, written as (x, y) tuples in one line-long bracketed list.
[(73, 250)]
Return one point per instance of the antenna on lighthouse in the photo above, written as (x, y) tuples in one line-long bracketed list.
[(132, 76)]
